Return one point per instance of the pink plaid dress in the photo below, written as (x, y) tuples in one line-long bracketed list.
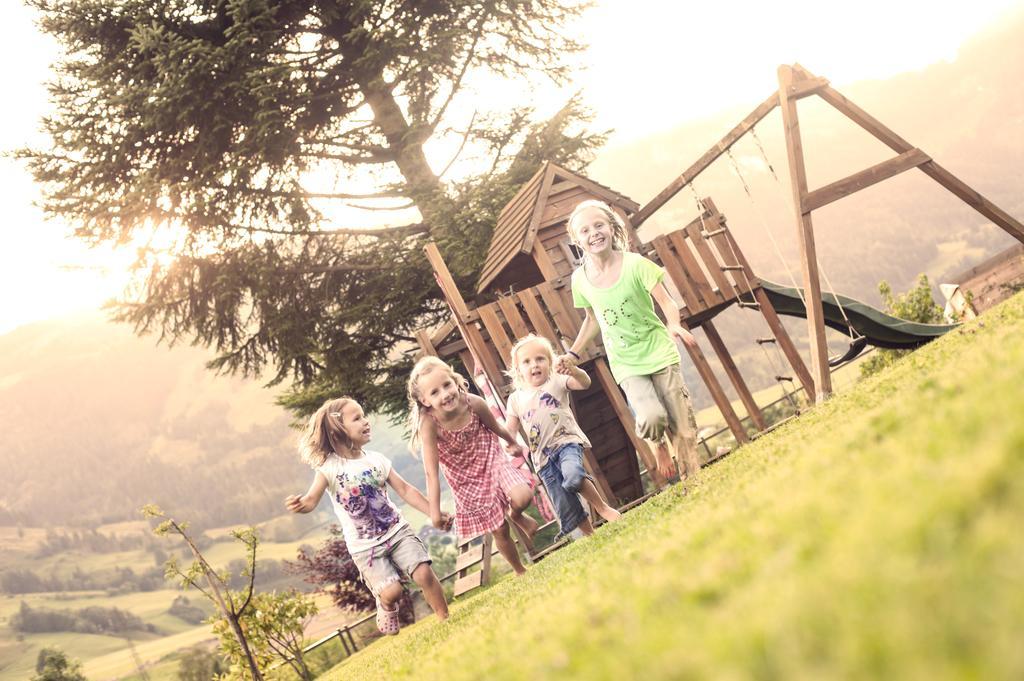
[(480, 475)]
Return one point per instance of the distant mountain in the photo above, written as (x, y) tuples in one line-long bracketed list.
[(967, 114), (97, 422)]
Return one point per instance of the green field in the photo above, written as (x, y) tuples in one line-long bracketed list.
[(878, 536)]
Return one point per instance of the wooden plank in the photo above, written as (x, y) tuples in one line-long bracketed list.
[(618, 401), (723, 145), (693, 271), (426, 345), (733, 372), (959, 188), (511, 312), (784, 342), (805, 232), (469, 558), (717, 393), (600, 481), (537, 318), (675, 270), (725, 289), (865, 178), (543, 260), (499, 338), (467, 583), (479, 349), (565, 322), (538, 209)]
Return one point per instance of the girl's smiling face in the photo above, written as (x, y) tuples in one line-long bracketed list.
[(355, 424), (533, 362), (438, 390), (593, 231)]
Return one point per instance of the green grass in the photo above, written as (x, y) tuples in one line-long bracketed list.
[(878, 536)]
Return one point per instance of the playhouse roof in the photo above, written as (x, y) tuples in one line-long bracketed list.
[(520, 219)]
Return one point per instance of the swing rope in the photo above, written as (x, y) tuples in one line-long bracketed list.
[(851, 331), (735, 258)]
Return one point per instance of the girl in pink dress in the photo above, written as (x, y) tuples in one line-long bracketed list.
[(458, 431)]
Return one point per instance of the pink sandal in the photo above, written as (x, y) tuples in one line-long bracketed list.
[(387, 620)]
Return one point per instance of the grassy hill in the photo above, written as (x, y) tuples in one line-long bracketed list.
[(877, 536)]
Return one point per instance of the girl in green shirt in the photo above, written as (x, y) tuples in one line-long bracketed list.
[(618, 290)]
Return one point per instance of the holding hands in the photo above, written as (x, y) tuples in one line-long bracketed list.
[(443, 521), (564, 364)]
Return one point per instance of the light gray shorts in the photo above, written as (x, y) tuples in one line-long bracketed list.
[(393, 561), (661, 404)]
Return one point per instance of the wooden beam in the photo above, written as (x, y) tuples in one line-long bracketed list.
[(544, 263), (538, 210), (614, 393), (952, 183), (763, 109), (865, 178), (785, 343), (806, 87), (733, 372), (474, 339), (717, 393), (805, 231), (426, 345)]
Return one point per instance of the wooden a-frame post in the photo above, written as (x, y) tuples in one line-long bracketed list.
[(805, 229), (796, 82)]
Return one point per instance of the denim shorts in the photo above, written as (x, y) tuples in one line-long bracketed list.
[(393, 561), (562, 476)]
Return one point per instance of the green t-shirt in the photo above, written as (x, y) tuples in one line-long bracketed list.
[(635, 339)]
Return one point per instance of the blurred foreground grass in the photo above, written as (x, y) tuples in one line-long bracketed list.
[(878, 536)]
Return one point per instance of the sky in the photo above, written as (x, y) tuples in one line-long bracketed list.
[(651, 65)]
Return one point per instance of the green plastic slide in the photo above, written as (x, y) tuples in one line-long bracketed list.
[(880, 329)]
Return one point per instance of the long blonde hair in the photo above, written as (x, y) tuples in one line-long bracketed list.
[(423, 367), (518, 381), (620, 241), (324, 434)]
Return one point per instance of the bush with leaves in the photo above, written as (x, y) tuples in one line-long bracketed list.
[(274, 625), (916, 305), (53, 665)]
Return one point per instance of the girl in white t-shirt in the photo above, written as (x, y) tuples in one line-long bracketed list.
[(382, 545), (540, 403)]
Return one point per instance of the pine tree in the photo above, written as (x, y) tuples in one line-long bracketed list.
[(224, 117)]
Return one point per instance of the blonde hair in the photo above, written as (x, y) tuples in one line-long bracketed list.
[(620, 240), (423, 367), (513, 372), (324, 434)]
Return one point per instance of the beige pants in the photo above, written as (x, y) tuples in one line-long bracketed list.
[(662, 405)]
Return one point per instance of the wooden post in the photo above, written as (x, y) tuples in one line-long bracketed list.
[(952, 183), (805, 228), (474, 339), (734, 374), (717, 393)]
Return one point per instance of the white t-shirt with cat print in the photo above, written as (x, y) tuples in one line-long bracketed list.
[(358, 489)]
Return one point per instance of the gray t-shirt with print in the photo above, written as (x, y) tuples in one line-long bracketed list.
[(546, 417)]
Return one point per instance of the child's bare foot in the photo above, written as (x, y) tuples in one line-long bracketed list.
[(608, 513)]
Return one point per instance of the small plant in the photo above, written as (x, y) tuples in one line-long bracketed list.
[(916, 305), (232, 605)]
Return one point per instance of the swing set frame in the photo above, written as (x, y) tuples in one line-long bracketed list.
[(795, 83)]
